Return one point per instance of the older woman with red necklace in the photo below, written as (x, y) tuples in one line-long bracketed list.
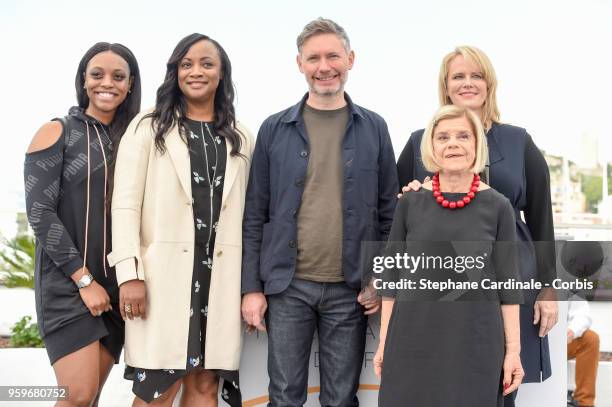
[(466, 352), (516, 168)]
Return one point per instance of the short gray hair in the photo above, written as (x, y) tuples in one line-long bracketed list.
[(323, 26), (452, 112)]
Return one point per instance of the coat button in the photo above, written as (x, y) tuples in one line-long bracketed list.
[(294, 212), (219, 253), (223, 207), (299, 182), (292, 243), (304, 154), (185, 251)]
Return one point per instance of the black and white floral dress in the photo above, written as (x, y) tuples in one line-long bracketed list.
[(207, 153)]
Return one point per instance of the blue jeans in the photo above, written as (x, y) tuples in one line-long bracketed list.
[(292, 317)]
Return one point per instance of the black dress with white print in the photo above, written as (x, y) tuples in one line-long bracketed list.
[(207, 152)]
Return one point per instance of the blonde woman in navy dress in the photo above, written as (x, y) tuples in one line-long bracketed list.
[(517, 169), (178, 202)]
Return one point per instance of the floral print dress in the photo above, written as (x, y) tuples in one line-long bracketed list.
[(207, 153)]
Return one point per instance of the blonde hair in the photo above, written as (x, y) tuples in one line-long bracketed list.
[(454, 112), (490, 111)]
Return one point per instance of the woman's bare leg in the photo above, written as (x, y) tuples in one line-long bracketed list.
[(106, 364), (200, 389), (79, 371)]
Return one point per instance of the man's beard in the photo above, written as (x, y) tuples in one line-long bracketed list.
[(329, 92)]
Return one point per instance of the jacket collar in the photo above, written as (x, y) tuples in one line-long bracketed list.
[(294, 114), (495, 153), (179, 154), (78, 112)]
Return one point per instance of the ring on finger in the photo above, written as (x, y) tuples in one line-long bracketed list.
[(127, 308)]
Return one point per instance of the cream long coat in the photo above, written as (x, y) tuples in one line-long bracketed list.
[(152, 218)]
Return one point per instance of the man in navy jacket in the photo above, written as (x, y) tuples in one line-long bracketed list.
[(323, 180)]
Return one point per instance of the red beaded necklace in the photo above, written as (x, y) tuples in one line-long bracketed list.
[(435, 185)]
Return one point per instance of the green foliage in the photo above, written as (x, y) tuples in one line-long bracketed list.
[(591, 187), (17, 261), (24, 334)]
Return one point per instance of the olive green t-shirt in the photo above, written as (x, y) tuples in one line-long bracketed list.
[(319, 223)]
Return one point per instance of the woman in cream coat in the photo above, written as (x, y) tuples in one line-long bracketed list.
[(177, 208)]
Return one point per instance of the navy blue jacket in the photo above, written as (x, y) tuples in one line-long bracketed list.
[(276, 184)]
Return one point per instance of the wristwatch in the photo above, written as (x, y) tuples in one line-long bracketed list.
[(85, 280)]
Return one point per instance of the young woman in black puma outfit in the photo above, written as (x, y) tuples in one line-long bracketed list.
[(68, 171)]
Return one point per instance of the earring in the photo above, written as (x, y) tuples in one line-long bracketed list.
[(130, 90)]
